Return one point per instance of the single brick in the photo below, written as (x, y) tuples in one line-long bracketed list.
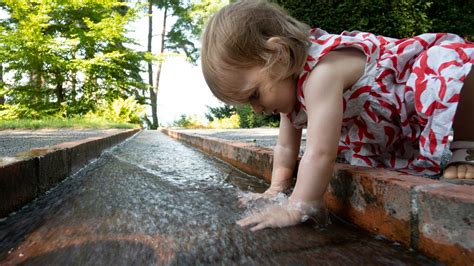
[(446, 222), (53, 166), (18, 183), (375, 199), (81, 152)]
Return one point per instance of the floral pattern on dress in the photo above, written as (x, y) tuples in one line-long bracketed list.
[(399, 114)]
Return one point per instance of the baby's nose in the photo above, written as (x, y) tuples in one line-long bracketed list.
[(257, 108)]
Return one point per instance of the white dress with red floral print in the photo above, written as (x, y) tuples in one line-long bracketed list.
[(399, 114)]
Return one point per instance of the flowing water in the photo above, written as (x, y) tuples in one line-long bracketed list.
[(153, 200)]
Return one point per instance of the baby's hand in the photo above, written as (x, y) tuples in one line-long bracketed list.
[(280, 215), (245, 198)]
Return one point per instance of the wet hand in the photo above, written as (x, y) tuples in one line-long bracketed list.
[(279, 215), (271, 192), (275, 216)]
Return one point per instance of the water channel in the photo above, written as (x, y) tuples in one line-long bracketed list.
[(153, 201)]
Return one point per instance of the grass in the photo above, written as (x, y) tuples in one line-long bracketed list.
[(57, 123)]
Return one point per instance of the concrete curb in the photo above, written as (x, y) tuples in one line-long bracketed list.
[(433, 217), (31, 173)]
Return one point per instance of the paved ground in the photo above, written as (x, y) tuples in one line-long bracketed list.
[(14, 141)]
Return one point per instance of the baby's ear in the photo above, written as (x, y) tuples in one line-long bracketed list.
[(280, 51), (277, 45)]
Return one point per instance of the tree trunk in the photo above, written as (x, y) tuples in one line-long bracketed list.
[(59, 90), (90, 86), (73, 81), (160, 63), (36, 82), (2, 98), (154, 123)]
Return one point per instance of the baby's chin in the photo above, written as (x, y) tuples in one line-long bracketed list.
[(289, 108), (286, 112)]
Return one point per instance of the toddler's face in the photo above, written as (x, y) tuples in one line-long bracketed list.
[(269, 96)]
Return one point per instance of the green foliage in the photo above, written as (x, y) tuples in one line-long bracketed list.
[(248, 119), (399, 18), (190, 19), (456, 16), (244, 115), (65, 56), (188, 122), (226, 122), (15, 111), (192, 121), (119, 111), (219, 112), (62, 123)]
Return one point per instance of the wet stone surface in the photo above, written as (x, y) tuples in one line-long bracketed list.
[(153, 200)]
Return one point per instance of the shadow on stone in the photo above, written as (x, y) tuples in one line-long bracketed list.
[(106, 252)]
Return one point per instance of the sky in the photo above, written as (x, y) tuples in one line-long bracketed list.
[(182, 87)]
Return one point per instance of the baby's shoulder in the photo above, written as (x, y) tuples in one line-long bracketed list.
[(346, 65)]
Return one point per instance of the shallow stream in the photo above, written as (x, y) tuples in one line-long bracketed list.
[(153, 200)]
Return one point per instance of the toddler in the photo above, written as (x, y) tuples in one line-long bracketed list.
[(375, 101)]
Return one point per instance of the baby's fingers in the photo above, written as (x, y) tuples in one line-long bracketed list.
[(261, 225), (258, 223), (253, 219)]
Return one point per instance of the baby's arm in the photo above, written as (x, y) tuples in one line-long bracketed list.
[(323, 96), (285, 154)]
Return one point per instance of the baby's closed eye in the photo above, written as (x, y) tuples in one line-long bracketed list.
[(254, 95)]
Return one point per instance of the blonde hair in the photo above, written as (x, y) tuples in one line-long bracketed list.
[(236, 38)]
